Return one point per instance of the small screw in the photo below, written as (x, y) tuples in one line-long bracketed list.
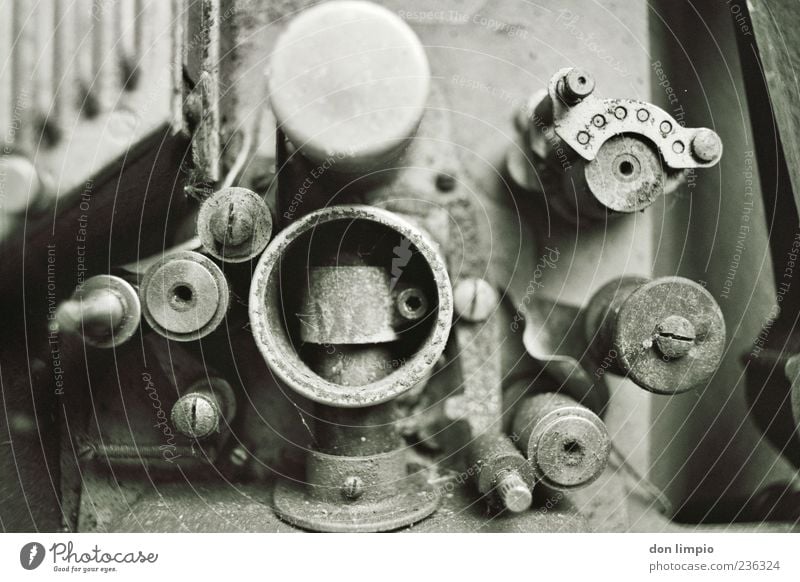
[(675, 336), (195, 416), (583, 137), (642, 115), (513, 491), (706, 145), (620, 112), (598, 120), (678, 147), (411, 304), (474, 299), (238, 456), (666, 127), (232, 224), (353, 487), (575, 86)]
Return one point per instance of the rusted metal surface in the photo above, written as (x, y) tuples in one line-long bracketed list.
[(503, 474), (667, 335), (274, 341), (208, 407), (234, 225), (599, 156), (347, 305), (566, 444), (357, 494)]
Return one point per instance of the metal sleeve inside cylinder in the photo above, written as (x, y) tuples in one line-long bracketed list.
[(351, 345)]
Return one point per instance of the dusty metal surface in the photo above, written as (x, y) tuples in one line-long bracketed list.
[(667, 335), (185, 296), (267, 319), (234, 225), (460, 219), (595, 156), (566, 444)]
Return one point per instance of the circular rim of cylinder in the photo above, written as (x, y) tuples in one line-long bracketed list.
[(271, 336)]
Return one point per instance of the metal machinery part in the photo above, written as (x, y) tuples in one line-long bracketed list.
[(339, 352), (184, 296), (667, 335), (360, 126), (396, 379), (105, 311), (504, 475), (205, 409), (566, 444), (596, 157), (234, 225)]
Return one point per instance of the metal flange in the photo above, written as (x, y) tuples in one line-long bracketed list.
[(357, 494)]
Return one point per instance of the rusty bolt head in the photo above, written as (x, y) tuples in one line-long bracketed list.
[(513, 491), (474, 299), (353, 487), (576, 85), (706, 145), (232, 224), (675, 336), (196, 416)]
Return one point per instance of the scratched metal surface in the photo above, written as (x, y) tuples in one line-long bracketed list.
[(486, 59)]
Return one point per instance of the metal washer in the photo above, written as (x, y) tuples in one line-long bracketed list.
[(184, 296)]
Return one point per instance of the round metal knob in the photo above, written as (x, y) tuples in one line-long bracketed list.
[(348, 83)]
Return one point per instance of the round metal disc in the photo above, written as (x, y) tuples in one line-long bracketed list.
[(627, 175), (185, 296), (638, 323), (571, 451), (234, 204), (348, 83)]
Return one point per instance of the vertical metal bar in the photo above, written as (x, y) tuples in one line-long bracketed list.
[(178, 17)]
